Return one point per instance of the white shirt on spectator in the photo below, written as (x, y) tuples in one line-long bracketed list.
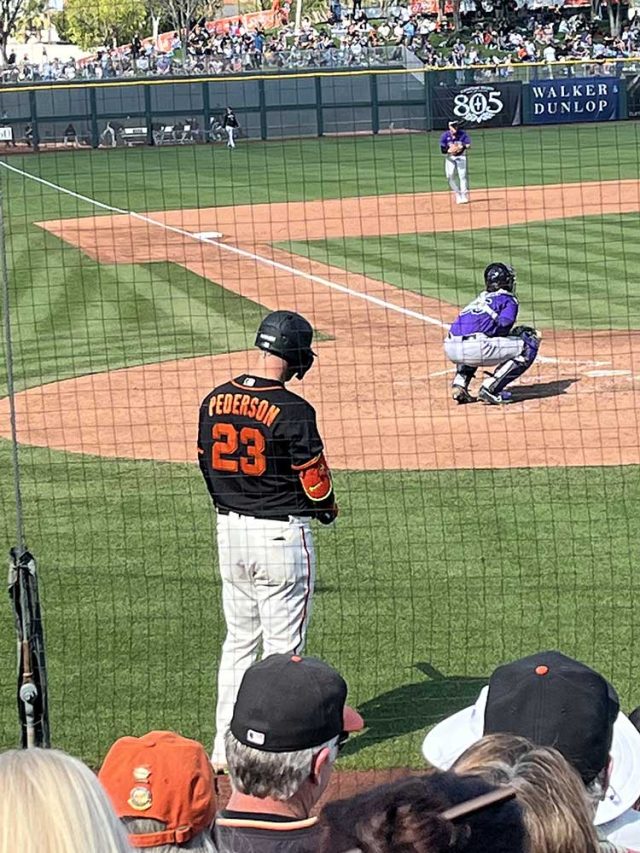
[(549, 53)]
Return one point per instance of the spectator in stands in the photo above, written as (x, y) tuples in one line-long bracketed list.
[(136, 46), (50, 801), (161, 787), (523, 36), (289, 722), (541, 776), (556, 701), (434, 813)]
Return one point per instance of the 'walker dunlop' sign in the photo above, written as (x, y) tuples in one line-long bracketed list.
[(580, 99)]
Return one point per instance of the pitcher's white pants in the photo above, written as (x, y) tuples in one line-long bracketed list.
[(451, 166), (230, 140), (268, 575)]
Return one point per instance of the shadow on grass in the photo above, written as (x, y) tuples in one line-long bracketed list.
[(415, 706), (542, 389)]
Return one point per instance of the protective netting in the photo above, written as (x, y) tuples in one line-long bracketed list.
[(468, 535)]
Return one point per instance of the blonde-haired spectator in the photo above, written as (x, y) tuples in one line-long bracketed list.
[(556, 811), (52, 802)]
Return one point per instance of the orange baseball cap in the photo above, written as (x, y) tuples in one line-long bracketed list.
[(165, 777)]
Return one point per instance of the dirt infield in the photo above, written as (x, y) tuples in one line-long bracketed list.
[(381, 389)]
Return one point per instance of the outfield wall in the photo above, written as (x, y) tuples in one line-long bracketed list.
[(316, 104)]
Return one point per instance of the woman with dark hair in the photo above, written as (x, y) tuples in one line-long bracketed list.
[(435, 813)]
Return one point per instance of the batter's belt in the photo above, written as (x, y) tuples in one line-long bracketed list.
[(224, 511)]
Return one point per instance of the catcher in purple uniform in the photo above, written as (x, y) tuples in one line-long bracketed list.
[(484, 335)]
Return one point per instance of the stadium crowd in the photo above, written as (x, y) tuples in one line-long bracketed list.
[(358, 37), (544, 762)]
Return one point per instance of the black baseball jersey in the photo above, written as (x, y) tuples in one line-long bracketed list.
[(254, 435)]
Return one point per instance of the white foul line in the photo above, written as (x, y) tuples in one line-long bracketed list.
[(325, 282), (596, 374), (201, 238), (63, 189)]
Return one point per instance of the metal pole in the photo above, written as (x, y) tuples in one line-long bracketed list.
[(298, 16), (8, 350)]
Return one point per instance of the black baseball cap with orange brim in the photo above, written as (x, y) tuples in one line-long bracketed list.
[(288, 703)]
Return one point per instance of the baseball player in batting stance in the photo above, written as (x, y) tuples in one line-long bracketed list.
[(263, 461), (484, 335), (454, 144)]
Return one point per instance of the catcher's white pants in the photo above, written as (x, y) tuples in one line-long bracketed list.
[(268, 575), (230, 140), (451, 166), (482, 351)]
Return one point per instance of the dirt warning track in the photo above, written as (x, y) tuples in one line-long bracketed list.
[(381, 385)]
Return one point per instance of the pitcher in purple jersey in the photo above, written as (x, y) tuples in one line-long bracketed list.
[(454, 144), (484, 335)]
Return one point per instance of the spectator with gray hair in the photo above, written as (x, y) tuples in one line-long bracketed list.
[(289, 722), (162, 789)]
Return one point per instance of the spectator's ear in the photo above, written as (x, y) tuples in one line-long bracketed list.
[(321, 761)]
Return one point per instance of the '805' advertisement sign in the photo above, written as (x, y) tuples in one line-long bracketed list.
[(491, 105)]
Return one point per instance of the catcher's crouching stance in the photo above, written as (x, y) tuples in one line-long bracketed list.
[(484, 335)]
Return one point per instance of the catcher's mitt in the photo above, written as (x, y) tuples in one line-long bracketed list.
[(456, 148), (528, 331)]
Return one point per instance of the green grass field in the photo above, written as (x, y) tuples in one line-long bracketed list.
[(431, 578)]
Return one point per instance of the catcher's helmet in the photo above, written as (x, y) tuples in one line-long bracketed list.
[(500, 276), (287, 335)]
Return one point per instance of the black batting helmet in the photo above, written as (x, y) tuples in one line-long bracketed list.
[(287, 335), (498, 276)]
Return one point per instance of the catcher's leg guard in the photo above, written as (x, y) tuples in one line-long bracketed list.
[(460, 384), (464, 375), (514, 367)]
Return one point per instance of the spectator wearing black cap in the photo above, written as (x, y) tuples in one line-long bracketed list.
[(289, 721), (553, 700)]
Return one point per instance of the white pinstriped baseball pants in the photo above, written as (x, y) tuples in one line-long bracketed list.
[(268, 575)]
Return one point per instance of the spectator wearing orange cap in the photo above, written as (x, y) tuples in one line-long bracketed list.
[(161, 787), (289, 722)]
